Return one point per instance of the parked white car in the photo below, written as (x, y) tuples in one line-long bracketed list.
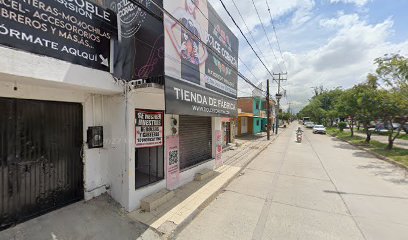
[(309, 124), (319, 129)]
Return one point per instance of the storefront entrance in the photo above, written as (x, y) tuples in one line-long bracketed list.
[(195, 140), (40, 157), (226, 127)]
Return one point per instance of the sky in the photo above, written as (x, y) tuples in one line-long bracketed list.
[(329, 43)]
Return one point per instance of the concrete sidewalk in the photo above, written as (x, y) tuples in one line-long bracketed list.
[(190, 199), (98, 219), (321, 188), (103, 218)]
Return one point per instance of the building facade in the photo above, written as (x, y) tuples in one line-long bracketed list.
[(82, 117), (252, 117)]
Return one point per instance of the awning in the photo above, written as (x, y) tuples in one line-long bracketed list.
[(245, 115)]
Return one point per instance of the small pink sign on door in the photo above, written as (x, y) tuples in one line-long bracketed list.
[(172, 162)]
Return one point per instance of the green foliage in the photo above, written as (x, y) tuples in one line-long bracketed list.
[(393, 70), (366, 102), (321, 108), (342, 126), (396, 154)]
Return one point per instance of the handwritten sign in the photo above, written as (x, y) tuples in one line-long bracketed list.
[(148, 129)]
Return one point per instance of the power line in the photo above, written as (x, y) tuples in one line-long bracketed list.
[(193, 34), (249, 31), (246, 39), (249, 70), (266, 34), (276, 35)]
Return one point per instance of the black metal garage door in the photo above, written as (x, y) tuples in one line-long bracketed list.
[(40, 157), (195, 140)]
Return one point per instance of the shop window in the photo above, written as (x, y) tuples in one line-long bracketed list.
[(257, 122), (148, 165)]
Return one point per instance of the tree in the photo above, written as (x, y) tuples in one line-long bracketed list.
[(390, 108), (368, 101), (321, 108), (347, 106), (392, 69)]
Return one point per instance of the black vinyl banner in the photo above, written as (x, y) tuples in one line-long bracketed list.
[(76, 31), (221, 73), (186, 99), (139, 52)]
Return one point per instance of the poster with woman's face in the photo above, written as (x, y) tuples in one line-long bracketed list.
[(191, 60), (185, 54), (201, 55)]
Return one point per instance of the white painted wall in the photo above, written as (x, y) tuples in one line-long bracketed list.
[(115, 140), (53, 72), (45, 78)]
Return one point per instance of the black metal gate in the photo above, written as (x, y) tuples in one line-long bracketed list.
[(40, 157)]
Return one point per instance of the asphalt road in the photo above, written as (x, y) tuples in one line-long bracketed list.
[(321, 188)]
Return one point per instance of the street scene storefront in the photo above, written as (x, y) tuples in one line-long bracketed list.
[(55, 87), (98, 99)]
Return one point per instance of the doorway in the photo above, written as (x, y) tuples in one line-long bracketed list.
[(41, 166)]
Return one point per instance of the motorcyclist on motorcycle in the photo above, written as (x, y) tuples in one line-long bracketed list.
[(299, 135)]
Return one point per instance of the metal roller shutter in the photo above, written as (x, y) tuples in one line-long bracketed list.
[(195, 140)]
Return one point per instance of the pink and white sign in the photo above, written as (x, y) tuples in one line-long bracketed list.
[(172, 161), (218, 149)]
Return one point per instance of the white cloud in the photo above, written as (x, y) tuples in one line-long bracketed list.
[(340, 60), (359, 3), (320, 48), (341, 21), (344, 60), (300, 9)]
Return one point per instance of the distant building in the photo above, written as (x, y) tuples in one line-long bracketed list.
[(252, 117), (109, 105)]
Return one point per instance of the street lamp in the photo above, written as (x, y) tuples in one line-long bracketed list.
[(278, 97)]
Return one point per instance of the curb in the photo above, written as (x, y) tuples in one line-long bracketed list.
[(379, 156), (214, 195)]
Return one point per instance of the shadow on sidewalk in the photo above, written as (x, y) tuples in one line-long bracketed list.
[(99, 218), (387, 172), (366, 195)]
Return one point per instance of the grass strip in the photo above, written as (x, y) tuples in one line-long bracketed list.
[(397, 154)]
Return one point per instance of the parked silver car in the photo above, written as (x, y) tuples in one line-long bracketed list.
[(309, 124)]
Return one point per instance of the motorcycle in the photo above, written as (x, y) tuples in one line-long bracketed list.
[(299, 137)]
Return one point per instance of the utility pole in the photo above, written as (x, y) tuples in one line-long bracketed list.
[(268, 111), (278, 97), (290, 111)]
